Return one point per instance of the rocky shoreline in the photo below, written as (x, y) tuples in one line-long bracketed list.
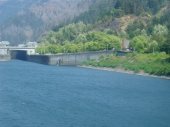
[(121, 70)]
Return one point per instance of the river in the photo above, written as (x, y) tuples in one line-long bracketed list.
[(34, 95)]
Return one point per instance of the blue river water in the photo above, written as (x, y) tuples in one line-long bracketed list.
[(34, 95)]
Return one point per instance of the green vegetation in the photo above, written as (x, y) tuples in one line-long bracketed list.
[(156, 64), (106, 9), (148, 28), (78, 38), (145, 23)]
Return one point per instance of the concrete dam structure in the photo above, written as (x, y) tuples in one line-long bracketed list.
[(67, 59), (29, 54), (7, 52)]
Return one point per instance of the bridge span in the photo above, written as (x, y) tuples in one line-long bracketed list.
[(8, 50)]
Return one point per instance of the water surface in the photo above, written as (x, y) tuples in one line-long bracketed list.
[(34, 95)]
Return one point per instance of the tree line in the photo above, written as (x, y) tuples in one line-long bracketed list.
[(78, 37), (150, 32)]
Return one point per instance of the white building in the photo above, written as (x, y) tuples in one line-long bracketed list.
[(32, 44), (4, 43), (3, 47), (21, 45)]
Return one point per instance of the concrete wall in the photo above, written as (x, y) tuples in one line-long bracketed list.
[(71, 59), (41, 59), (66, 59)]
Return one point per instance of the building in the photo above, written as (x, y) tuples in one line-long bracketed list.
[(3, 47), (125, 45), (32, 44), (4, 43)]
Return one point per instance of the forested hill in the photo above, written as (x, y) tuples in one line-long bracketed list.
[(118, 8), (27, 20), (108, 10), (145, 23)]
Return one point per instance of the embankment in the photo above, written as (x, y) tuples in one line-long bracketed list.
[(153, 64), (68, 59)]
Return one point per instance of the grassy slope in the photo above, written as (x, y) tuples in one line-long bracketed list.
[(156, 64)]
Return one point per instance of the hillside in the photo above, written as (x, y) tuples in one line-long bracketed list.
[(146, 24), (27, 20)]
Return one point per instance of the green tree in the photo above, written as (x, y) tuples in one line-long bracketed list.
[(42, 49), (166, 46), (136, 28), (140, 43), (105, 41), (81, 38), (92, 46), (160, 33), (153, 46)]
